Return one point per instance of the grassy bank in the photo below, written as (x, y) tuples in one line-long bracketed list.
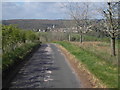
[(13, 57), (100, 49), (104, 71), (16, 43)]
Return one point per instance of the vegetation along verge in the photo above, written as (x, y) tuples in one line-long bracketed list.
[(16, 44), (107, 73)]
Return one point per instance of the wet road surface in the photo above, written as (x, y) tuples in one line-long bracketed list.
[(47, 68)]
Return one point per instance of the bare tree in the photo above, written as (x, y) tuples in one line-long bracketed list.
[(80, 14), (111, 23), (68, 28)]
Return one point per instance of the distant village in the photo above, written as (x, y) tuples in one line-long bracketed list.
[(54, 29)]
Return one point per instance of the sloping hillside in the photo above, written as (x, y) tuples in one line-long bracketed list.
[(36, 23)]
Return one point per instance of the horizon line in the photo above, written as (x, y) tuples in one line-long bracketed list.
[(47, 19)]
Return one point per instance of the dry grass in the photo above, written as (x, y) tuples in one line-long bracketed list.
[(100, 49), (95, 46)]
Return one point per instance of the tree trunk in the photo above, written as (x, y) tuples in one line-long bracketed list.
[(113, 46), (81, 38), (69, 37), (40, 39)]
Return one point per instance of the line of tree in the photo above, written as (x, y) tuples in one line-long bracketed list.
[(108, 25)]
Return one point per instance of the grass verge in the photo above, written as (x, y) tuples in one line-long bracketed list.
[(100, 49), (105, 72)]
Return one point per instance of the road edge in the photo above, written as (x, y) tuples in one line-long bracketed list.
[(12, 73), (82, 72)]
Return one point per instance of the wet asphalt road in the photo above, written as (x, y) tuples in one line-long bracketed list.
[(47, 68)]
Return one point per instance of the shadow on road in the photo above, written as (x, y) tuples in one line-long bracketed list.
[(36, 71)]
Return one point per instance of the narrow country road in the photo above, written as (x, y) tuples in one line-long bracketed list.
[(47, 68)]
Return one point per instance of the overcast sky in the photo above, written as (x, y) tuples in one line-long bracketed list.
[(38, 10)]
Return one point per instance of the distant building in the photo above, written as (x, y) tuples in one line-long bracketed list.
[(39, 30), (53, 26)]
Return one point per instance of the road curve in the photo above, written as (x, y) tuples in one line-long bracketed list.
[(47, 68)]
